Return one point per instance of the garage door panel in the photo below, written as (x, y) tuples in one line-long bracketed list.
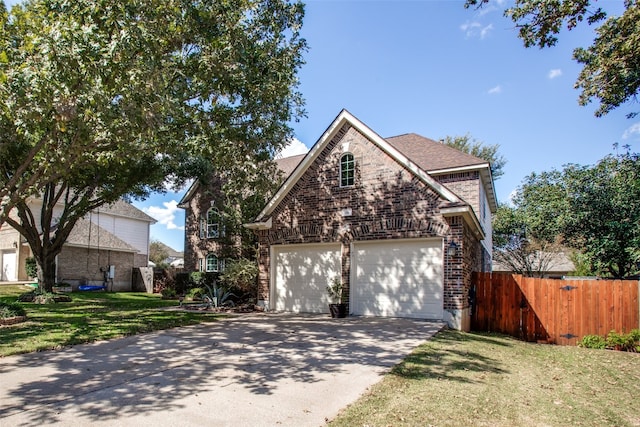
[(398, 278), (302, 274)]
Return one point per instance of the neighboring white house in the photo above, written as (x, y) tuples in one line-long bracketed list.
[(106, 244)]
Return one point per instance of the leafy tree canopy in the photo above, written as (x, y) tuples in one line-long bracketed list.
[(594, 209), (100, 99), (611, 72), (476, 148), (157, 252)]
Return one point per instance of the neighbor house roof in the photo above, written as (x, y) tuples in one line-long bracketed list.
[(288, 164), (169, 250), (124, 209), (90, 235)]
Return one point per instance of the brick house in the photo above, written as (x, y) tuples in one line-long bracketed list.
[(208, 246), (113, 235), (402, 222)]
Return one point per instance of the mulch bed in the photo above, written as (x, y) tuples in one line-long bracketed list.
[(12, 320)]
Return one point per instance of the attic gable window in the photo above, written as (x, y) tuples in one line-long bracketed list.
[(347, 170)]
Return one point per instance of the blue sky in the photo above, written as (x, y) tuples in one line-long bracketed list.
[(437, 69)]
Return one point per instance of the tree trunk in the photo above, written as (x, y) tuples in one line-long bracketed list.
[(46, 270)]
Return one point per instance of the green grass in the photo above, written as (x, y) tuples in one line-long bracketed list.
[(91, 316), (485, 380)]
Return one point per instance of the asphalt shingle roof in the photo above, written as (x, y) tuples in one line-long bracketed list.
[(431, 155)]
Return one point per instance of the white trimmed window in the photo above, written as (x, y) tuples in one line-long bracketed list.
[(347, 170), (214, 264), (214, 228)]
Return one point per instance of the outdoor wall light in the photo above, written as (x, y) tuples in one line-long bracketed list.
[(453, 248)]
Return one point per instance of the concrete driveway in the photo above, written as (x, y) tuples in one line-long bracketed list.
[(250, 370)]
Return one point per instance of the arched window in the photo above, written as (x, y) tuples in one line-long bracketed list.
[(347, 170), (213, 224)]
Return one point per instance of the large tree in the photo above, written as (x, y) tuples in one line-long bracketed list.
[(594, 209), (104, 99), (611, 72)]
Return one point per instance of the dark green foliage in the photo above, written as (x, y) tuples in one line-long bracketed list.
[(593, 341), (613, 341), (31, 267), (592, 209), (242, 274), (109, 100), (8, 310), (182, 283)]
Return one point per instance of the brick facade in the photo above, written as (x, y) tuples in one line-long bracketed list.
[(79, 266), (387, 202), (197, 245)]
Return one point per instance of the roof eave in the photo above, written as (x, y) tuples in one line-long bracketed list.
[(183, 203), (255, 226), (467, 214), (487, 180)]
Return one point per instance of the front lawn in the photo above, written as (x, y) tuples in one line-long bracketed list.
[(460, 379), (91, 316)]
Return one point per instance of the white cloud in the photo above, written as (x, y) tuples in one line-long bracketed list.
[(556, 72), (476, 29), (495, 90), (634, 129), (294, 147), (165, 215), (485, 31)]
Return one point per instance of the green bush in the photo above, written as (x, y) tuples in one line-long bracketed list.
[(613, 341), (168, 292), (593, 341), (195, 293), (623, 342), (241, 274), (183, 283), (31, 267), (9, 309)]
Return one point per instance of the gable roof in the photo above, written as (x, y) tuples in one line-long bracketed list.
[(431, 155), (438, 158), (343, 118)]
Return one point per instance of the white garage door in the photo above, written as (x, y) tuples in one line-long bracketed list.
[(302, 273), (397, 278)]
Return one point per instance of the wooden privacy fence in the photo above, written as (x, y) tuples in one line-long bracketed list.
[(553, 310)]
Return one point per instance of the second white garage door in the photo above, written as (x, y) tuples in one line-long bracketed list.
[(301, 276), (397, 278)]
